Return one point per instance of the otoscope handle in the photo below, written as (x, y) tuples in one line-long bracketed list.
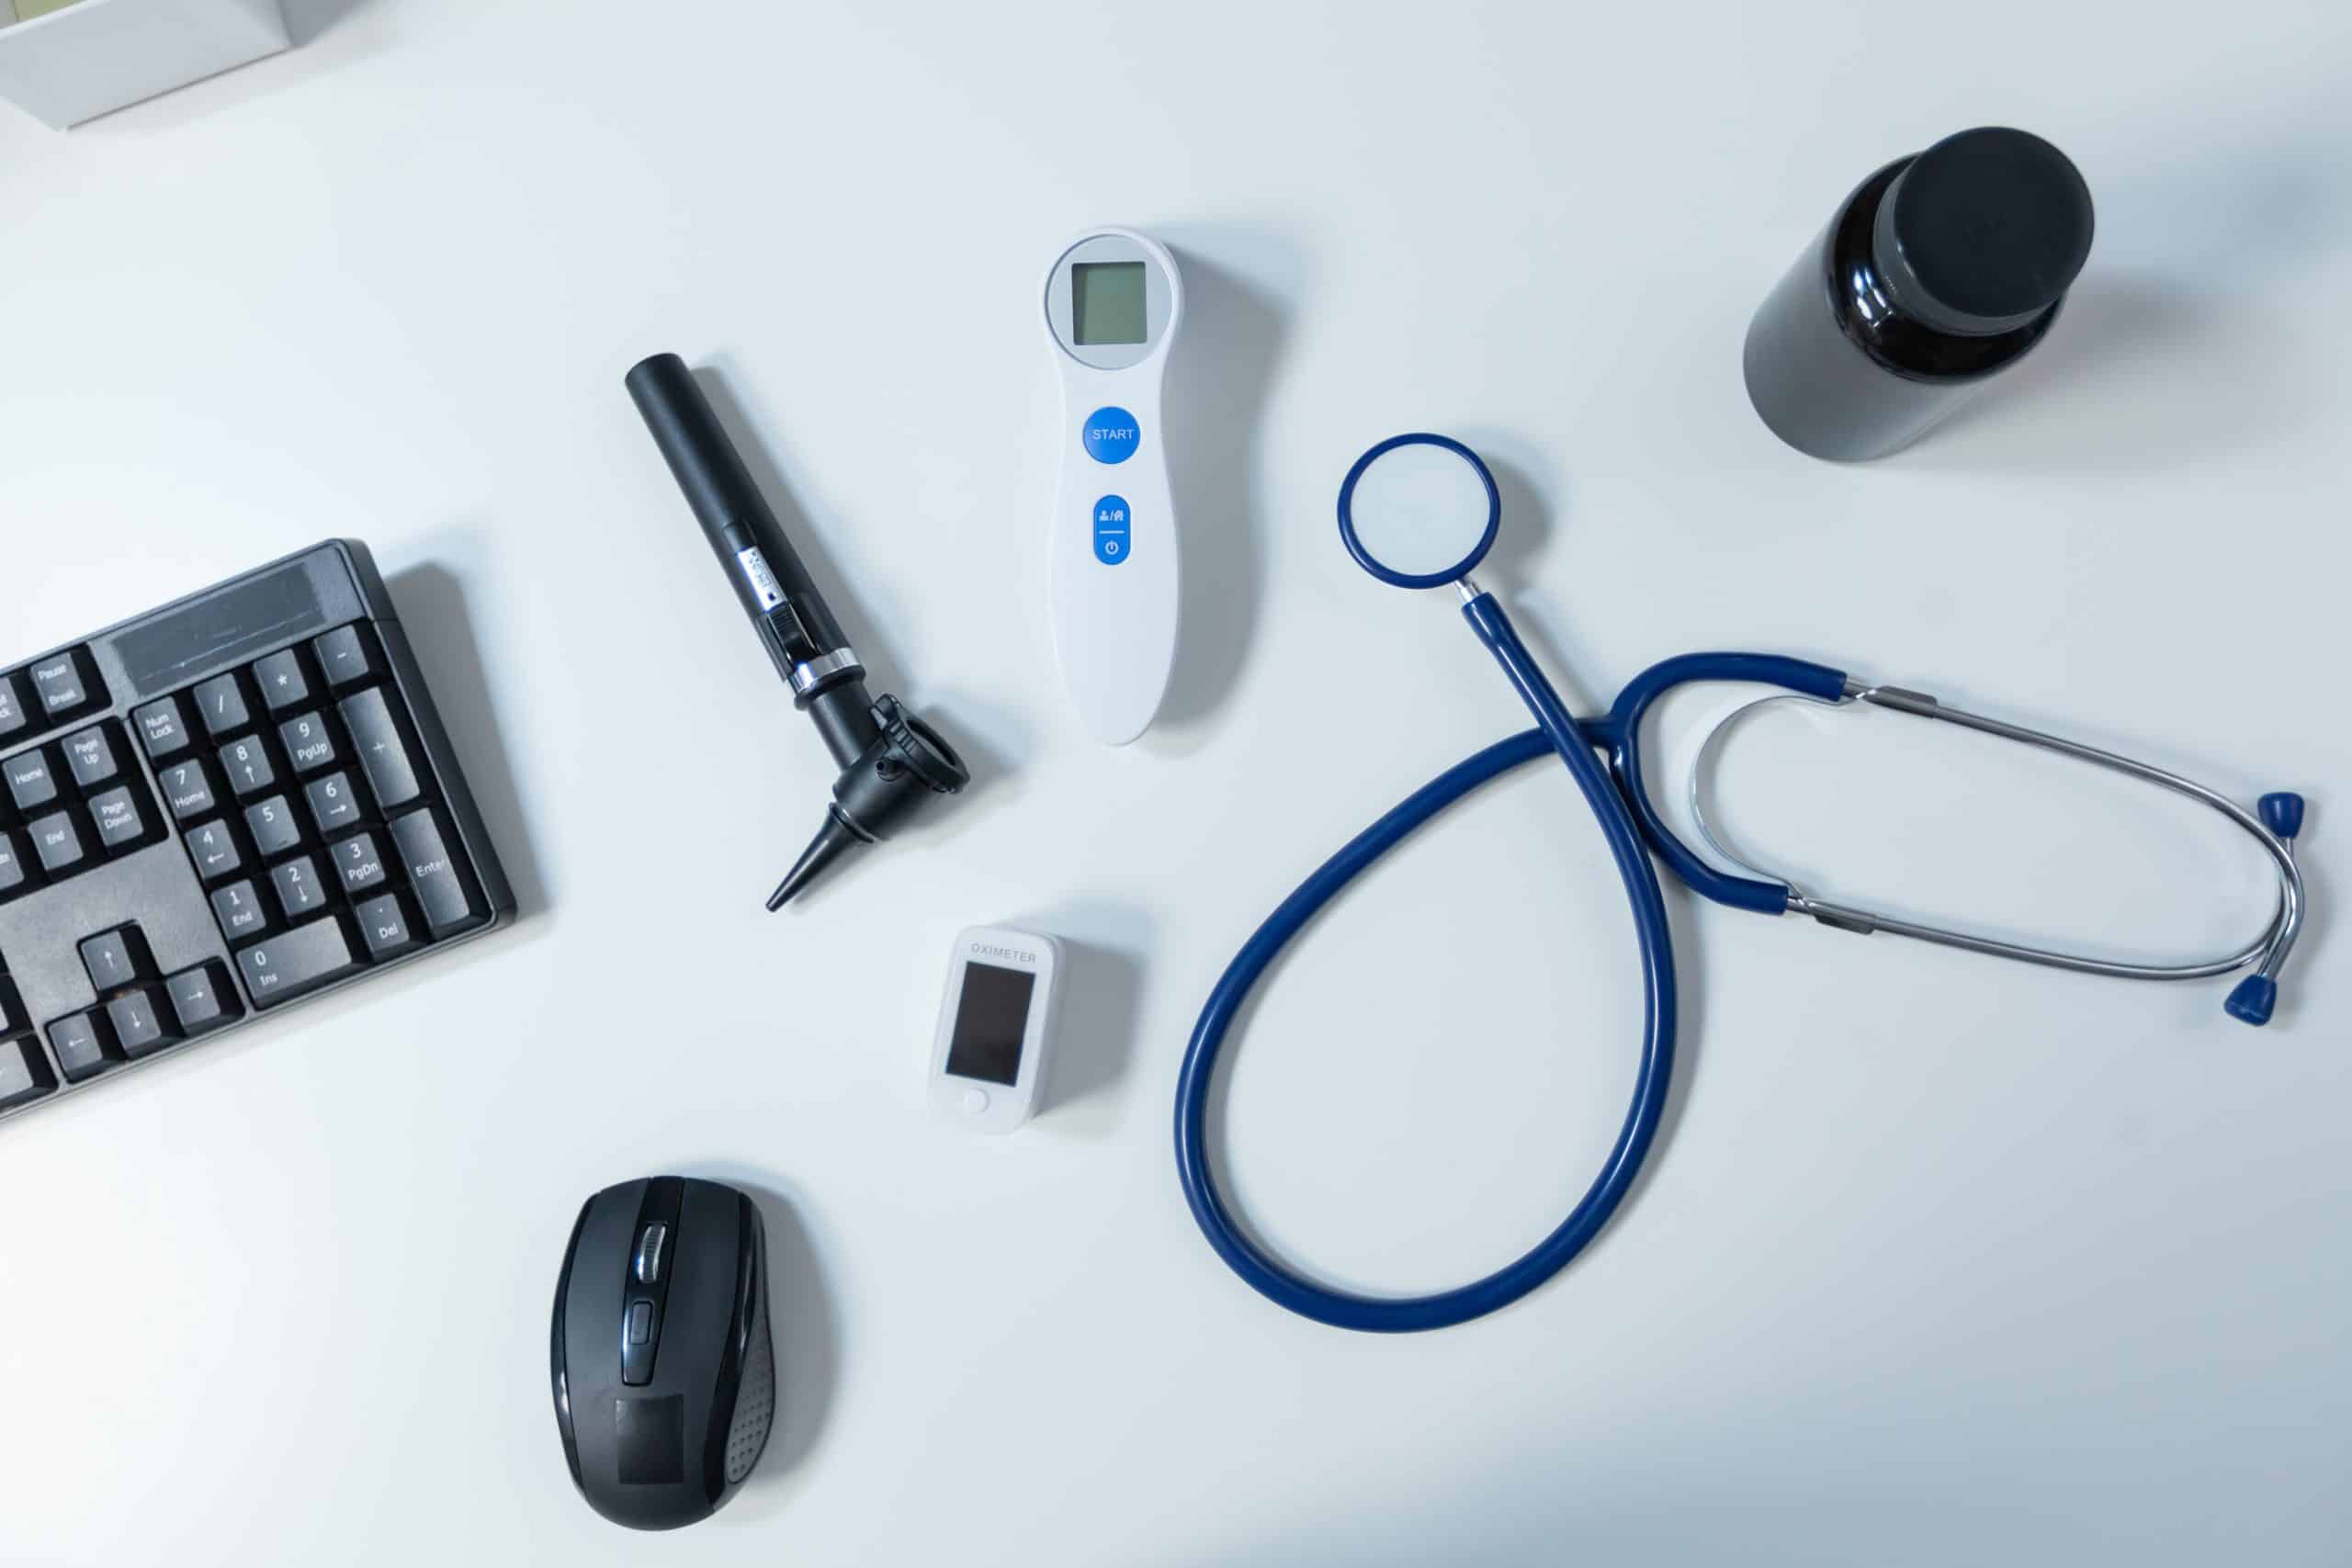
[(769, 581)]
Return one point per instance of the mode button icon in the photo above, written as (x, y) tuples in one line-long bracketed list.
[(1112, 536)]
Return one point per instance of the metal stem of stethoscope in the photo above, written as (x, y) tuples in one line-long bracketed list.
[(2268, 952)]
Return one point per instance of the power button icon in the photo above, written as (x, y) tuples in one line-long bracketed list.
[(1112, 537)]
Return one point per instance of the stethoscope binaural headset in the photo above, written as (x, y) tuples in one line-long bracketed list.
[(1421, 511)]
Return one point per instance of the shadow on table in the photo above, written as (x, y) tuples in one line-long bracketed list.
[(306, 19), (808, 1337), (431, 603)]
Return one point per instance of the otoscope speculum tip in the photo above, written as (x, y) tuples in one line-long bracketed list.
[(834, 839)]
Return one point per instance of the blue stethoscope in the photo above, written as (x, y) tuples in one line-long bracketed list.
[(1410, 513)]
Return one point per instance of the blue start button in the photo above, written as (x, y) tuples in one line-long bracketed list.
[(1110, 435)]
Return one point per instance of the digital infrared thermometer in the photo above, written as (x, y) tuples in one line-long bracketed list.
[(1112, 303)]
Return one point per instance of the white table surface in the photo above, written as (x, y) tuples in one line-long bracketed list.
[(1939, 1260)]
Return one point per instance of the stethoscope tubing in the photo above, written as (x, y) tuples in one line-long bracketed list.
[(1634, 829), (1559, 734)]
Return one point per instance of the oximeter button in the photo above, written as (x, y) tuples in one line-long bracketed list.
[(974, 1102), (1110, 435), (1111, 537)]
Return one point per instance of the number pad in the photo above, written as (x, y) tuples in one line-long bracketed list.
[(310, 814)]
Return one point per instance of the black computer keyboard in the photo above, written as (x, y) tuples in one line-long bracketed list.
[(207, 812)]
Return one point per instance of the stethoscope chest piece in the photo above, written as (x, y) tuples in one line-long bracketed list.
[(1419, 511)]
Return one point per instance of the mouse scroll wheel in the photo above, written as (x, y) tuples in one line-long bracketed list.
[(649, 1253)]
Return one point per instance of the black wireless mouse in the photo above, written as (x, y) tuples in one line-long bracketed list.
[(664, 1368)]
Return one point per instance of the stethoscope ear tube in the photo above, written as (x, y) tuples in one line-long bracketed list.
[(1261, 1269)]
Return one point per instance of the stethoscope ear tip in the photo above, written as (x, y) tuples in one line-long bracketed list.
[(2282, 813), (2252, 1000)]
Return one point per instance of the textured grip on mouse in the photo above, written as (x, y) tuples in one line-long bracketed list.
[(747, 1435)]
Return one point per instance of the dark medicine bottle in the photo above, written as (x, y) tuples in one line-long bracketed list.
[(1940, 272)]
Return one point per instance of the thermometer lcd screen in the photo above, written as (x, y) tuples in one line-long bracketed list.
[(991, 1017), (1106, 302)]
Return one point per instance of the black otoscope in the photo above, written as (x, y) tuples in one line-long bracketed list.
[(891, 761)]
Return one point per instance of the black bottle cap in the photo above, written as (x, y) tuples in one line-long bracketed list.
[(1984, 230)]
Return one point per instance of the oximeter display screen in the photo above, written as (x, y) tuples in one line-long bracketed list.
[(1106, 302), (991, 1017)]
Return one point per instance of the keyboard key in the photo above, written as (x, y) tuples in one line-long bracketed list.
[(58, 686), (376, 738), (293, 963), (273, 825), (23, 1074), (111, 958), (238, 908), (307, 742), (14, 873), (139, 1026), (333, 804), (442, 886), (358, 863), (31, 783), (247, 764), (14, 1019), (90, 756), (161, 729), (13, 717), (347, 655), (117, 814), (214, 849), (384, 926), (58, 842), (283, 684), (198, 998), (299, 891), (186, 789), (84, 1045), (221, 704)]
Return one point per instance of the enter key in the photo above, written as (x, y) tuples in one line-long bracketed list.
[(437, 871)]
